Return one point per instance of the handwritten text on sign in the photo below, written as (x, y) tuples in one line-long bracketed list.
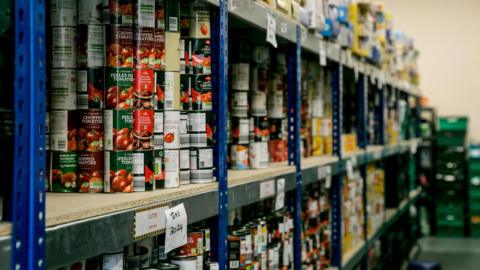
[(149, 221), (176, 230)]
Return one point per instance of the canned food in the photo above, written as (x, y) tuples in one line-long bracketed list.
[(278, 150), (118, 128), (63, 135), (275, 104), (120, 88), (259, 129), (91, 47), (144, 14), (274, 258), (118, 174), (194, 245), (184, 166), (316, 127), (90, 130), (159, 89), (172, 15), (172, 91), (183, 130), (90, 172), (200, 20), (201, 60), (278, 128), (160, 14), (172, 168), (317, 146), (63, 171), (113, 260), (121, 12), (64, 47), (133, 262), (239, 104), (143, 171), (201, 93), (90, 88), (106, 12), (143, 123), (258, 101), (199, 263), (90, 12), (159, 170), (185, 92), (261, 55), (172, 52), (143, 39), (200, 128), (201, 165), (144, 249), (159, 49), (239, 157), (63, 90), (240, 130), (158, 130), (185, 55), (240, 76), (167, 266), (206, 240), (233, 242), (63, 12), (120, 46), (171, 122), (258, 155), (143, 89), (259, 79)]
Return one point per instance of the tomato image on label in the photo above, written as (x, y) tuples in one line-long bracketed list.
[(169, 137), (120, 88), (143, 122)]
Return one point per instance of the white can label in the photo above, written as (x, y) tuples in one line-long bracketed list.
[(184, 159), (158, 122), (240, 76), (239, 156), (244, 131), (96, 46), (106, 168), (259, 155), (171, 129), (145, 13), (90, 11), (169, 94), (59, 128), (82, 81), (158, 141), (112, 261), (197, 122), (64, 47), (172, 169), (63, 13), (259, 103), (198, 139), (275, 105), (108, 129), (205, 158), (63, 90)]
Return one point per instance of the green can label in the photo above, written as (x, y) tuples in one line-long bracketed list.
[(120, 88), (63, 171), (118, 128), (159, 170), (118, 175)]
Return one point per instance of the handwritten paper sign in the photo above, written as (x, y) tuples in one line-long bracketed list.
[(271, 30), (176, 227)]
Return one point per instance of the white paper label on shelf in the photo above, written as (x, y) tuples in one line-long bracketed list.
[(233, 5), (283, 27), (413, 147), (377, 155), (271, 30), (349, 167), (322, 53), (321, 172), (267, 189), (280, 199), (176, 227), (328, 177), (149, 221)]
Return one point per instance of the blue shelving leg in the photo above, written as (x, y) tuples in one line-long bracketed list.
[(294, 77), (28, 235), (219, 43)]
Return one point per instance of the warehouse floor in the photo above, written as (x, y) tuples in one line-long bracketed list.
[(452, 253)]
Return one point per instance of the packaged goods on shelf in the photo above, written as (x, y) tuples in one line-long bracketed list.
[(375, 198), (353, 233)]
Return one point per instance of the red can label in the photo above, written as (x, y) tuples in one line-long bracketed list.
[(90, 130), (202, 96), (90, 172), (120, 46), (278, 150), (90, 88), (159, 49), (194, 245), (143, 123), (121, 11), (143, 171), (201, 61), (143, 91), (144, 44)]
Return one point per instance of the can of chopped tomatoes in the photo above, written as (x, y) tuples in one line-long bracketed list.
[(143, 40), (240, 76), (63, 89), (118, 128), (201, 93), (200, 20), (158, 169), (171, 129), (90, 172), (64, 47), (63, 171), (160, 14), (90, 12), (278, 150), (90, 130), (120, 46), (201, 59), (185, 92), (143, 170), (185, 56), (118, 167), (258, 101), (144, 14), (258, 155), (63, 12), (91, 45), (159, 49), (201, 165), (239, 103), (183, 130), (259, 129), (200, 129), (121, 12), (119, 83), (143, 97), (239, 157), (172, 15), (171, 165), (240, 130), (90, 88), (158, 130), (63, 136), (194, 245), (184, 166), (143, 127)]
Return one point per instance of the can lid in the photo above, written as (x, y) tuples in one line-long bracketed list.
[(165, 266), (183, 258)]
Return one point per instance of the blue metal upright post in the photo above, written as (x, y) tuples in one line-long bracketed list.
[(294, 77), (220, 83), (28, 236)]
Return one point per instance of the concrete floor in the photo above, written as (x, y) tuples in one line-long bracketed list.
[(451, 253)]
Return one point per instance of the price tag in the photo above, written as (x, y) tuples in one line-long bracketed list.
[(377, 155), (271, 30), (280, 199), (267, 189), (233, 5), (176, 231), (328, 177), (321, 172), (322, 53), (283, 27), (149, 221), (349, 167)]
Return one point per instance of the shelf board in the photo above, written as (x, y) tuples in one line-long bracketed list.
[(353, 257), (241, 177), (5, 228), (312, 166)]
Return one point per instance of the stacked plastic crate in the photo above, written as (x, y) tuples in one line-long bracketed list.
[(450, 176), (474, 189)]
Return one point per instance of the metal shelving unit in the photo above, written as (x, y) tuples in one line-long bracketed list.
[(43, 228)]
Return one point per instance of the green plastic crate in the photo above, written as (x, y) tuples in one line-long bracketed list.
[(450, 219), (451, 123), (445, 208)]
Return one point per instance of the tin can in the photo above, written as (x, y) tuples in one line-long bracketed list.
[(158, 130), (185, 263), (91, 46), (63, 89), (90, 12), (233, 242), (63, 171), (90, 130), (118, 128), (239, 104), (240, 130), (160, 14), (274, 257), (171, 122), (259, 129), (200, 129), (63, 12), (199, 262), (172, 52), (133, 262), (143, 39), (206, 240), (144, 89), (278, 150), (258, 155), (183, 130), (201, 59), (185, 55), (121, 12), (143, 170), (144, 15), (113, 260), (167, 266), (201, 165), (278, 128), (159, 170), (143, 123), (171, 164), (185, 92), (120, 46), (159, 49), (194, 245), (317, 146), (276, 108), (105, 12), (239, 157), (64, 47), (200, 20), (201, 93), (120, 88), (172, 91), (316, 129), (184, 166), (90, 172), (63, 136), (90, 88), (172, 15), (258, 101), (118, 176), (259, 79), (159, 89), (240, 76)]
